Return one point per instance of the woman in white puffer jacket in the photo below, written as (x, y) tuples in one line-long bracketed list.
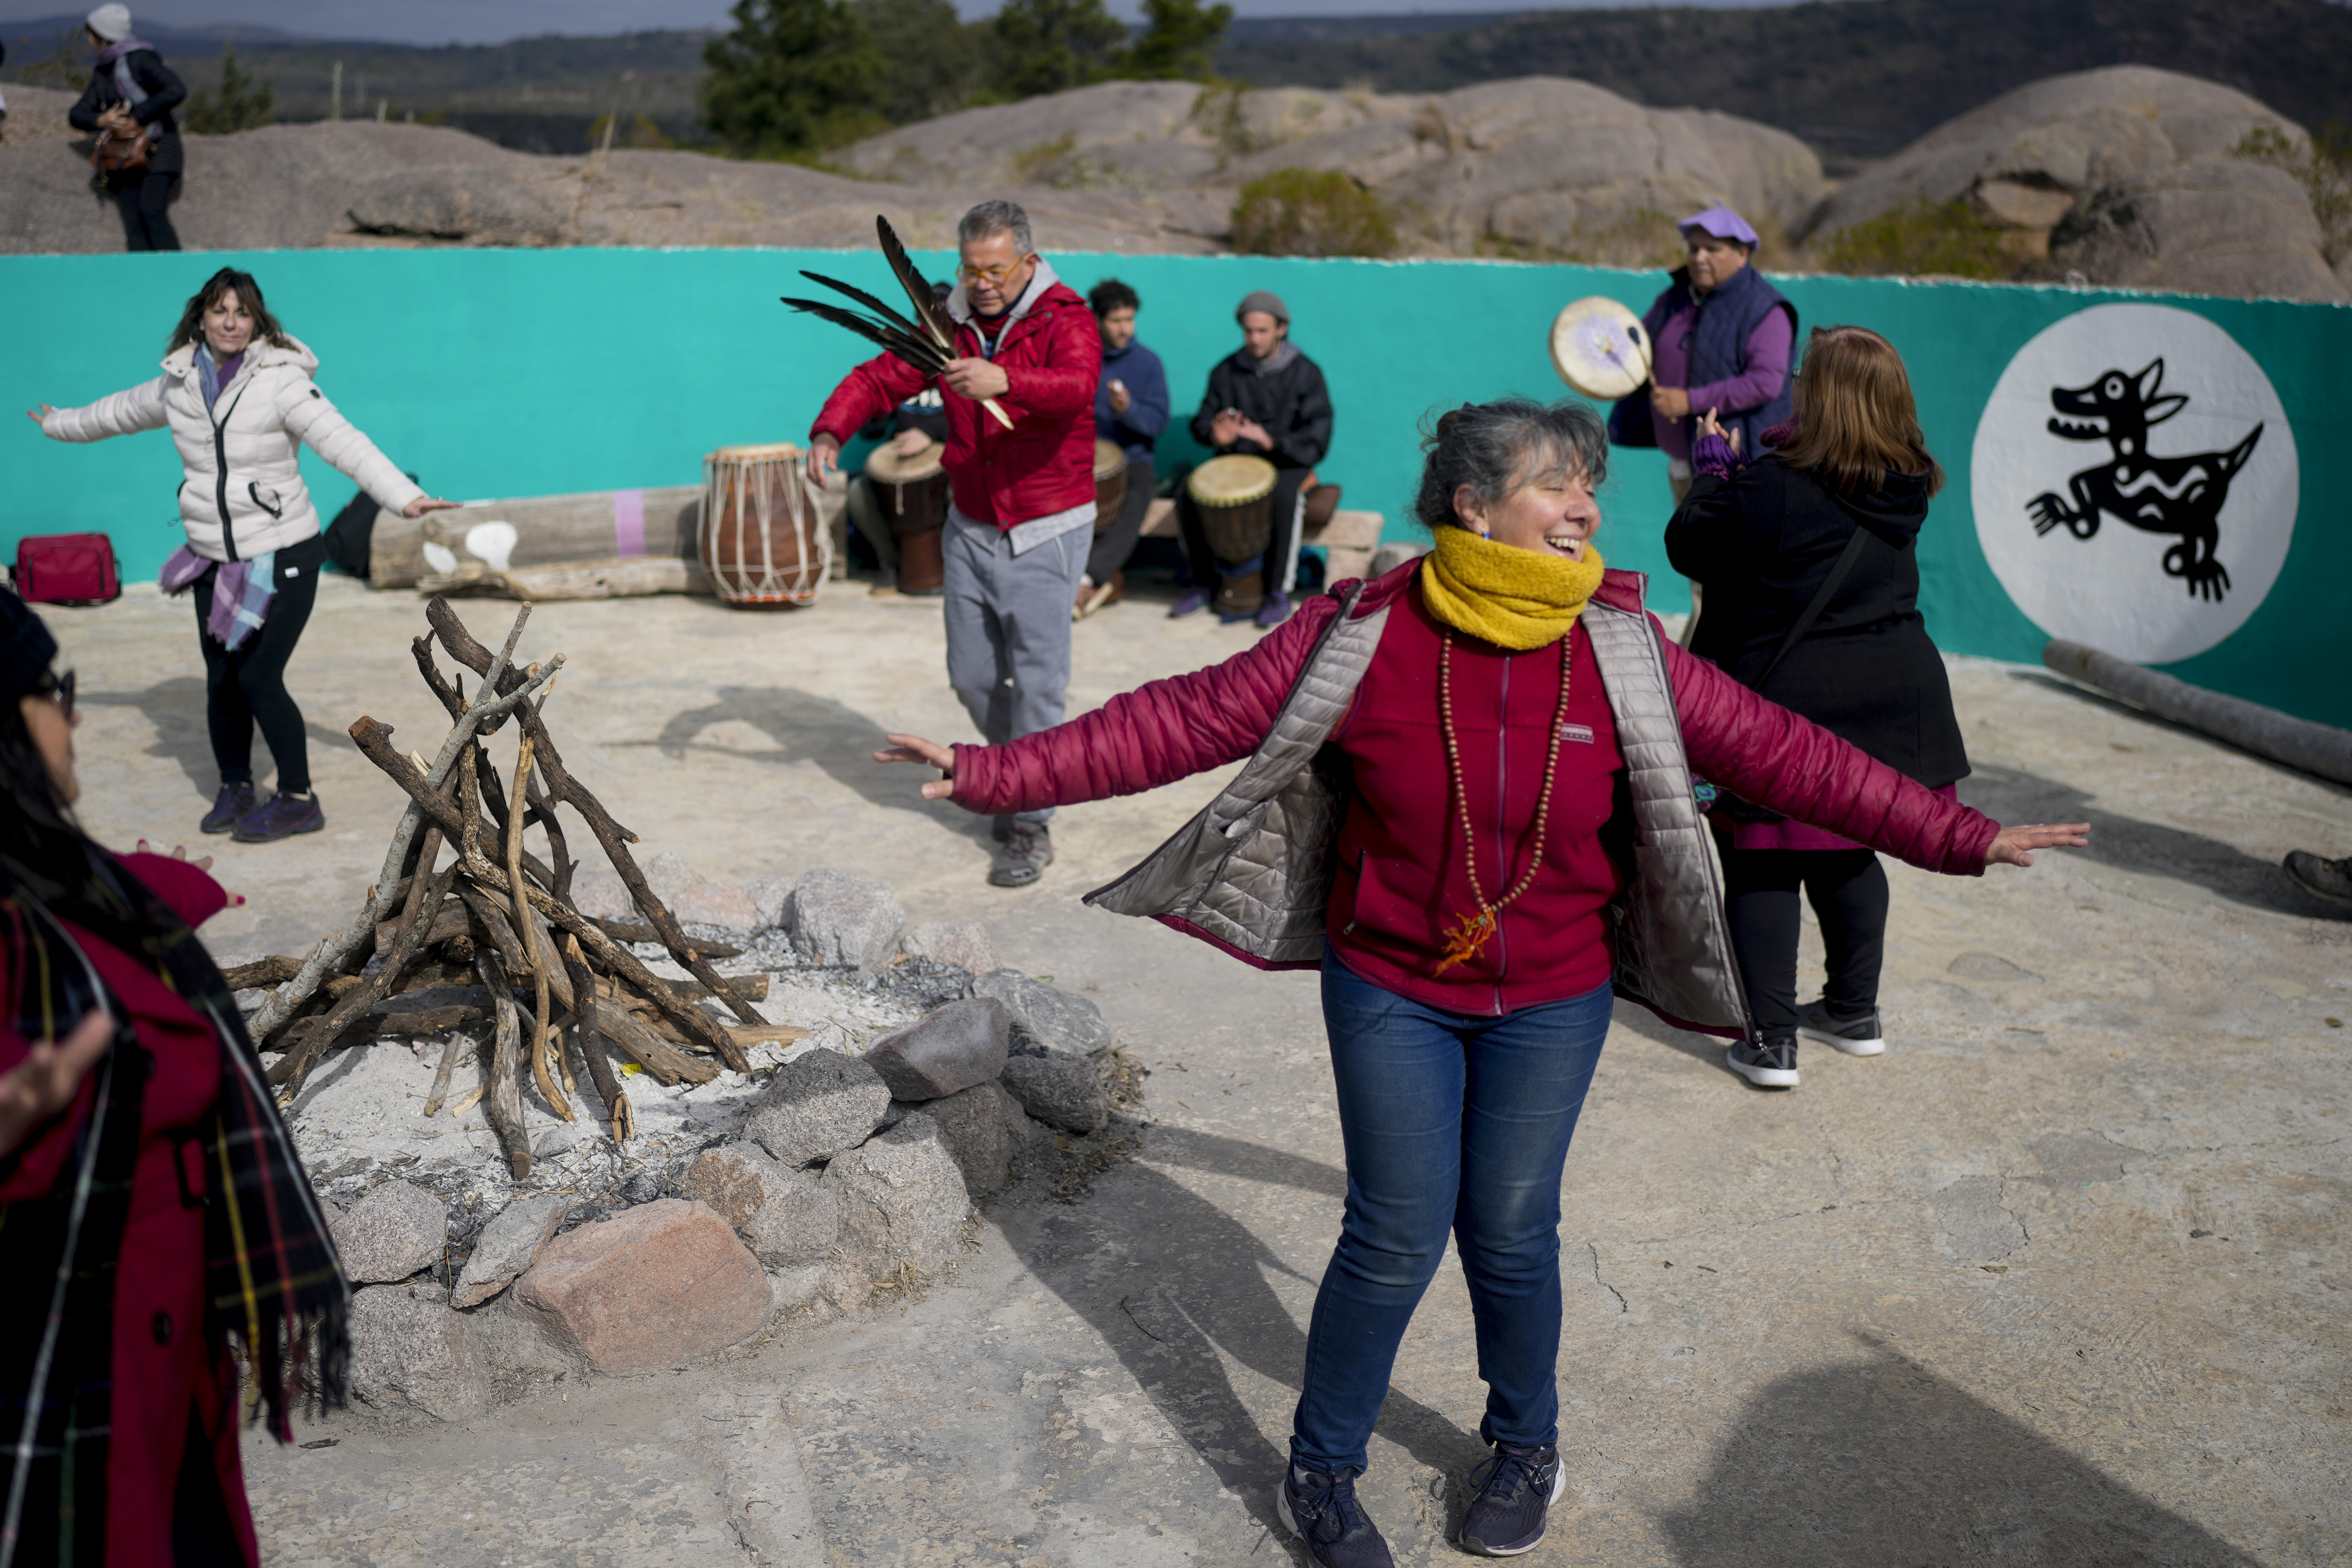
[(238, 395)]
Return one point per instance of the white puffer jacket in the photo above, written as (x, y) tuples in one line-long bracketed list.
[(244, 494)]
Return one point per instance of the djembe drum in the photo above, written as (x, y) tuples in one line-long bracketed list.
[(1234, 497), (912, 493), (759, 536), (1111, 483)]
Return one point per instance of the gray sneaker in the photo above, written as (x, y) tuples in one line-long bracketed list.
[(2330, 879), (1767, 1064), (1863, 1036), (1028, 850)]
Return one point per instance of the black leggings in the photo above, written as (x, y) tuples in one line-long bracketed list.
[(144, 197), (1848, 891), (248, 687), (1116, 543)]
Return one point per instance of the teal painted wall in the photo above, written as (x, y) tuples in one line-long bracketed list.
[(507, 373)]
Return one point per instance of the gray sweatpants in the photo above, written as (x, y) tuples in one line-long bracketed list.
[(1008, 622)]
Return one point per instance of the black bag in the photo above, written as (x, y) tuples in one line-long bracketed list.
[(350, 538)]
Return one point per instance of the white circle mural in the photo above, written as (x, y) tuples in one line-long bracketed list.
[(2135, 482)]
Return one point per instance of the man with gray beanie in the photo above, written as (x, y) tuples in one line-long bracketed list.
[(1265, 400), (130, 98)]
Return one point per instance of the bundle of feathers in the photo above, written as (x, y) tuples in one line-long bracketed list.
[(926, 343)]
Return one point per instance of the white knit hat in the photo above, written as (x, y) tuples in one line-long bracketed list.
[(112, 22)]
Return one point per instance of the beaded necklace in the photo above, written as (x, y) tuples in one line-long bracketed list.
[(1470, 933)]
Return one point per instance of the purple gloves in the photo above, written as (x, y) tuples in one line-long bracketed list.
[(1712, 455)]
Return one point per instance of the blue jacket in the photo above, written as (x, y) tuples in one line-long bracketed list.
[(1145, 380), (1718, 353)]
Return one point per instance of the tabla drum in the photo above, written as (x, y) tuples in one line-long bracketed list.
[(1600, 349), (1234, 498), (1111, 483), (912, 493), (759, 535)]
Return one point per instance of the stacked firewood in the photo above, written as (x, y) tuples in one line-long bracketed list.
[(461, 900)]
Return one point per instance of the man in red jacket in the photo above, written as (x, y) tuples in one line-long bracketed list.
[(1022, 512)]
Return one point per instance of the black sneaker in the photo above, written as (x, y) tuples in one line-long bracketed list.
[(236, 802), (1516, 1490), (1767, 1064), (1863, 1036), (283, 818), (1028, 850), (2330, 879), (1322, 1511)]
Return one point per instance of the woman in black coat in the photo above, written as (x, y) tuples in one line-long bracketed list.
[(130, 97), (1811, 565)]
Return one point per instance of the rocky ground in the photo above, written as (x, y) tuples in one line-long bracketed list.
[(2124, 176), (2059, 1278)]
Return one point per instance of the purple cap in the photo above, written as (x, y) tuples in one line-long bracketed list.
[(1720, 222)]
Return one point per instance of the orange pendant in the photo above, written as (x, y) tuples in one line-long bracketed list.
[(1468, 935)]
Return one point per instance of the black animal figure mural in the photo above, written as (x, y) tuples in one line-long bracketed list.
[(2179, 496)]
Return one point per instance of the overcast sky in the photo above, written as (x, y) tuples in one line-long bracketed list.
[(495, 21)]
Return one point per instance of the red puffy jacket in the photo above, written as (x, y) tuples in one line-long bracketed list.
[(1553, 940), (1052, 351)]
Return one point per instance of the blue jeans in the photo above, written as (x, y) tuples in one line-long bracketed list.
[(1458, 1123)]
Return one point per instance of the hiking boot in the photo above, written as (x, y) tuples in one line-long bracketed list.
[(1194, 601), (283, 818), (1767, 1064), (1274, 612), (1322, 1511), (236, 801), (1863, 1036), (1516, 1490), (2330, 879), (1028, 850)]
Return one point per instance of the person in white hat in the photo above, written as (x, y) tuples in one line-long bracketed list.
[(129, 101)]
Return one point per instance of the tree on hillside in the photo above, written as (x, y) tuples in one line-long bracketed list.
[(235, 103), (1051, 46), (931, 57), (1180, 39), (794, 76)]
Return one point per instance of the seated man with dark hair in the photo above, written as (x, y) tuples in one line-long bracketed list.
[(1130, 411), (1265, 400)]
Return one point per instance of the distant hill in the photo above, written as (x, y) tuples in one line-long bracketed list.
[(1856, 79)]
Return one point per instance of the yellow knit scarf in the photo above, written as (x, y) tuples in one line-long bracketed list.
[(1514, 598)]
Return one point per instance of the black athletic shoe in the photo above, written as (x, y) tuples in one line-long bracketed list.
[(1863, 1036), (235, 802), (1322, 1511), (1767, 1064), (283, 818), (1028, 850), (2330, 879), (1517, 1488)]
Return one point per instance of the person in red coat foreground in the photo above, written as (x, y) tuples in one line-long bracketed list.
[(152, 1203), (1468, 801), (1020, 519)]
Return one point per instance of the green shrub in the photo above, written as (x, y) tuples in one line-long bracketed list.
[(1943, 238), (1311, 212), (235, 103)]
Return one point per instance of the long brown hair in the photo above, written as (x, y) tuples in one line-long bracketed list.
[(227, 280), (1855, 417)]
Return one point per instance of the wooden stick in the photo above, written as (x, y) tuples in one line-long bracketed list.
[(373, 739), (332, 952), (591, 1047), (542, 1045), (449, 1059), (295, 1065), (504, 1100)]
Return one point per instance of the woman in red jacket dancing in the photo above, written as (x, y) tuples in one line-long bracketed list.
[(1516, 844), (151, 1200)]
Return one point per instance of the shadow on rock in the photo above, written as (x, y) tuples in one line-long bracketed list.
[(2146, 848), (1882, 1462), (1192, 1289)]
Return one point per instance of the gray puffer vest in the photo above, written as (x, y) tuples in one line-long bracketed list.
[(1252, 871)]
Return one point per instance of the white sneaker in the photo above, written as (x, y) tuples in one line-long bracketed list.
[(1864, 1036)]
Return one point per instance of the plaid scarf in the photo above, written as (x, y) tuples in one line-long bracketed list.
[(272, 1277), (242, 591)]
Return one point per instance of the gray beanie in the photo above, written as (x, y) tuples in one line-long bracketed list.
[(112, 22), (1265, 299)]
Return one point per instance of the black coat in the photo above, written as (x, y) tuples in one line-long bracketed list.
[(1761, 543), (165, 92), (1292, 402)]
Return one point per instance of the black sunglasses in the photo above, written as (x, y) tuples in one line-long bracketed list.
[(61, 688)]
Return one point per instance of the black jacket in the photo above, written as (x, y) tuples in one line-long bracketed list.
[(1761, 542), (1292, 402), (165, 92)]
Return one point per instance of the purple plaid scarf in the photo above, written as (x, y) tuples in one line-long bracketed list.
[(241, 593)]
